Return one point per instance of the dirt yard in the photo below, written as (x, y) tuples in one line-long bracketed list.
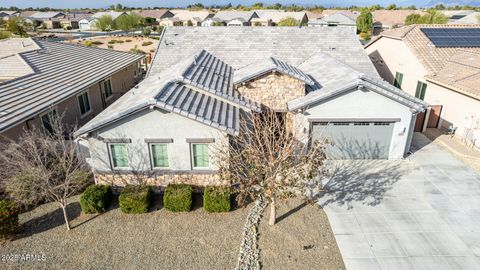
[(122, 43), (302, 239)]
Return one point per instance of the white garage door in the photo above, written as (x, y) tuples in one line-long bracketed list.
[(355, 140)]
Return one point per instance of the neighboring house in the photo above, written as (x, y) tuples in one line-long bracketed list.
[(184, 17), (454, 15), (7, 14), (90, 22), (389, 19), (439, 64), (47, 20), (273, 17), (157, 14), (314, 15), (335, 20), (87, 24), (72, 20), (40, 78), (203, 81), (231, 18)]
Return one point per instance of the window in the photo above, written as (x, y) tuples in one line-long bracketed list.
[(398, 80), (159, 155), (421, 89), (48, 119), (107, 88), (381, 123), (361, 124), (200, 155), (341, 123), (84, 103), (119, 155)]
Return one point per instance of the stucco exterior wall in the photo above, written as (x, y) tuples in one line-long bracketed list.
[(360, 105), (156, 124), (273, 90), (391, 55), (121, 82)]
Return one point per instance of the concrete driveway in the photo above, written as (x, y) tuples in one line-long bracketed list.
[(418, 213)]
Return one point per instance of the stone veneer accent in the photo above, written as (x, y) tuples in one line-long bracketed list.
[(273, 90), (159, 179)]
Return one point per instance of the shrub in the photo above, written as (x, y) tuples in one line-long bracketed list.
[(216, 199), (128, 40), (96, 42), (147, 43), (135, 199), (88, 43), (110, 46), (8, 218), (95, 199), (152, 50), (120, 41), (113, 41), (178, 198)]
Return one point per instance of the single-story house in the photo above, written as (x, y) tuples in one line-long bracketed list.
[(439, 64), (157, 14), (48, 20), (470, 18), (7, 14), (339, 19), (272, 18), (72, 20), (170, 127), (184, 17), (89, 22), (40, 78), (231, 18)]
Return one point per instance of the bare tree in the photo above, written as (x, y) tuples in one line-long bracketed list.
[(267, 160), (43, 165)]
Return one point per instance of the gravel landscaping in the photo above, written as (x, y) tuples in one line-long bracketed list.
[(165, 240)]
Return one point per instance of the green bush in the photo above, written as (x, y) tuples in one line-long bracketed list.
[(95, 199), (110, 46), (147, 43), (88, 43), (128, 40), (178, 198), (216, 199), (120, 41), (113, 41), (8, 218), (135, 199), (96, 42), (152, 50)]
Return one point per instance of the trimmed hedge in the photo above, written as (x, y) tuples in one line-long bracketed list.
[(8, 218), (178, 198), (216, 199), (95, 199), (135, 199)]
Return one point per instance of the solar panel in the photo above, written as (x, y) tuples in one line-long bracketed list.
[(453, 37)]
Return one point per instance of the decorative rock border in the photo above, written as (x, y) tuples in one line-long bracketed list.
[(248, 258)]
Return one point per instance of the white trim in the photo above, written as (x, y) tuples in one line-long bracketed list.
[(192, 163), (103, 88), (89, 104), (110, 157), (152, 165)]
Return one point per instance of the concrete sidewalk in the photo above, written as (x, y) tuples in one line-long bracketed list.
[(418, 213)]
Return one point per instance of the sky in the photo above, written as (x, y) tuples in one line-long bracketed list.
[(183, 3)]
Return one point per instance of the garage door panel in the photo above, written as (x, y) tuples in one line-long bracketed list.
[(355, 140)]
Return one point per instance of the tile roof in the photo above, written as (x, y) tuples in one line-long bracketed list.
[(154, 13), (441, 63), (228, 15), (186, 15), (46, 15), (242, 46), (335, 77), (268, 65), (339, 18), (11, 64), (179, 98), (113, 14), (198, 87), (277, 16), (393, 17), (60, 71), (471, 18)]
